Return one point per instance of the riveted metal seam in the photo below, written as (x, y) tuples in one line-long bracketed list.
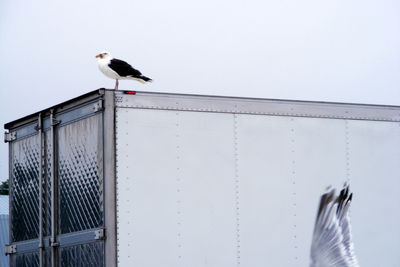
[(117, 180), (178, 187), (347, 150), (237, 189), (294, 186)]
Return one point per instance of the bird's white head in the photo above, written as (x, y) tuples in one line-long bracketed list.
[(103, 55)]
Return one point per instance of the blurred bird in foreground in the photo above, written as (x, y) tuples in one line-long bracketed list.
[(332, 243)]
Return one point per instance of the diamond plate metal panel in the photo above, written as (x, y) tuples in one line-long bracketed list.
[(85, 255), (25, 189), (26, 260), (80, 175)]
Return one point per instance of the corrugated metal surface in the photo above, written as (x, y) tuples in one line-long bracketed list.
[(80, 167), (25, 188), (4, 240), (4, 205), (4, 229), (84, 255), (26, 260), (78, 148)]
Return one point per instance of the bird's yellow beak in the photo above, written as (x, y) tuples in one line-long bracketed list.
[(99, 55)]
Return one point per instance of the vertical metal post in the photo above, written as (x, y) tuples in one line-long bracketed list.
[(54, 205), (11, 194), (110, 217), (41, 159)]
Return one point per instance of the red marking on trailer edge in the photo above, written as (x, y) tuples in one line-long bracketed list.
[(130, 92)]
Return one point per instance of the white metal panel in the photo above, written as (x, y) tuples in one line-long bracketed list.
[(175, 191), (219, 189), (146, 189), (319, 160), (375, 179), (264, 167), (206, 208), (284, 166)]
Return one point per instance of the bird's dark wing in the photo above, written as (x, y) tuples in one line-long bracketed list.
[(123, 69)]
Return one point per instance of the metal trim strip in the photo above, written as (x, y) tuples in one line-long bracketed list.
[(109, 180), (258, 106), (65, 118), (64, 240), (60, 108), (76, 238), (25, 132), (28, 245)]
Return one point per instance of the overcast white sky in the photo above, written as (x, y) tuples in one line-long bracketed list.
[(341, 50)]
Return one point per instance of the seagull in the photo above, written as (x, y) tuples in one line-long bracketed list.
[(332, 243), (118, 69)]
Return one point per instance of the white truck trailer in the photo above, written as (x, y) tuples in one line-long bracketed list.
[(123, 178)]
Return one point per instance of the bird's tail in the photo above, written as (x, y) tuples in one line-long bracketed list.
[(145, 79), (142, 79)]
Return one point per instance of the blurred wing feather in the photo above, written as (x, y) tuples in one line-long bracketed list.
[(332, 243)]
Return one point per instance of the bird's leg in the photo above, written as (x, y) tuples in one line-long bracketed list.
[(116, 84)]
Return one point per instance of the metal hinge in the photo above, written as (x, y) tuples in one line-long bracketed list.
[(10, 249), (98, 106), (100, 234), (8, 137), (55, 122), (53, 243)]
